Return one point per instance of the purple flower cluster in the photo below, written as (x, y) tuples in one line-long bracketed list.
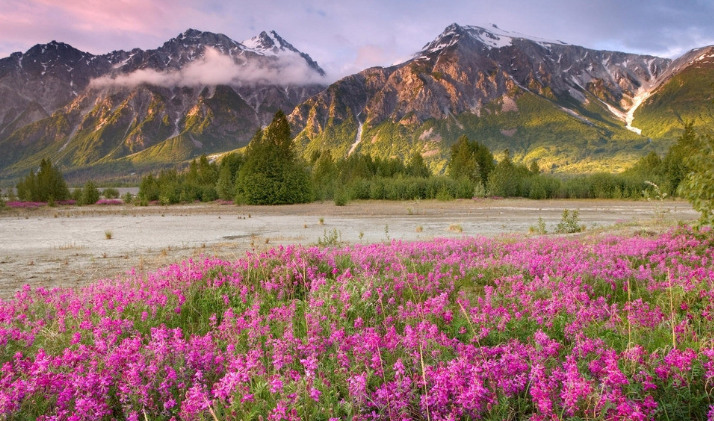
[(25, 205), (542, 328), (110, 202)]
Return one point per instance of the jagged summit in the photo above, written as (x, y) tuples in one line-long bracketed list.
[(269, 43), (491, 36), (199, 92), (272, 44)]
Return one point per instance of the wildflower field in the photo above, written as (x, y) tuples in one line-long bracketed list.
[(599, 327)]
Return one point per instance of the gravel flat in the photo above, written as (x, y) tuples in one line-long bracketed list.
[(69, 246)]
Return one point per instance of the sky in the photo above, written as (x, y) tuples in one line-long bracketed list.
[(345, 37)]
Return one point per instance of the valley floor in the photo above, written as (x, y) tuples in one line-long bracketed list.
[(68, 246)]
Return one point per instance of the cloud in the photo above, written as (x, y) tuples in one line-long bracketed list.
[(215, 68)]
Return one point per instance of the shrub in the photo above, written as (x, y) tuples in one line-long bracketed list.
[(341, 197), (110, 193), (272, 173), (538, 229), (569, 223), (90, 193)]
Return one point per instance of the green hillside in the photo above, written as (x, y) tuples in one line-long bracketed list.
[(685, 97)]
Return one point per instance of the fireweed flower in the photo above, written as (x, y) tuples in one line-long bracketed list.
[(603, 327)]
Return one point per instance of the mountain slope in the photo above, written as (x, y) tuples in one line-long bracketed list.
[(683, 94), (198, 93), (564, 104)]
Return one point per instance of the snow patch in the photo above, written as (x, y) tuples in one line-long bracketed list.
[(639, 98), (576, 115), (124, 62), (495, 37), (358, 138)]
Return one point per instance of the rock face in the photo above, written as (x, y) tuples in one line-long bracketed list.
[(198, 93), (504, 89)]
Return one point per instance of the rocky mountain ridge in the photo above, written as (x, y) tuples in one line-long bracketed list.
[(470, 80), (571, 108), (198, 92)]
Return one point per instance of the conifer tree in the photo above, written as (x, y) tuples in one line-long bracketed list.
[(416, 167), (90, 193), (272, 173), (224, 185), (47, 185), (471, 160)]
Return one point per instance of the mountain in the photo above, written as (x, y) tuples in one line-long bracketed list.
[(683, 93), (571, 108), (564, 105), (198, 93)]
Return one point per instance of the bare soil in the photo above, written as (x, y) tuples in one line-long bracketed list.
[(74, 246)]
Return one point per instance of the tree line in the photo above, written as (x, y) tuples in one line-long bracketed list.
[(47, 185)]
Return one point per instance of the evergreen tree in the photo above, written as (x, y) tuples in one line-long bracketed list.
[(416, 167), (463, 162), (505, 179), (471, 160), (676, 164), (90, 193), (47, 185), (324, 169), (224, 185), (272, 173), (149, 188), (325, 176)]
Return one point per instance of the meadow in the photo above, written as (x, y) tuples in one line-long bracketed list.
[(547, 327)]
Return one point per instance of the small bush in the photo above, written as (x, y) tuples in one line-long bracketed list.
[(76, 195), (90, 193), (341, 198), (128, 197), (110, 193), (540, 228), (569, 223), (108, 235), (456, 228), (330, 238), (444, 195)]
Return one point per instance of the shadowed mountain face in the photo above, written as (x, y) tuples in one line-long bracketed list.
[(571, 108), (198, 93)]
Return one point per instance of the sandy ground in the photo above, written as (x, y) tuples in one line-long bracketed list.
[(70, 246)]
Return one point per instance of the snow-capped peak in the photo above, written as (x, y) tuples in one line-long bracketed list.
[(491, 36), (495, 37), (269, 43)]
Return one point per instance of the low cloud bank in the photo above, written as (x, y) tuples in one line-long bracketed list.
[(215, 68)]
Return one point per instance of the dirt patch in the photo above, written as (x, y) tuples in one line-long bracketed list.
[(69, 247)]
